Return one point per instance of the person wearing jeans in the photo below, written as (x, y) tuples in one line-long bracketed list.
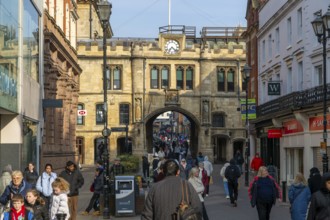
[(225, 181)]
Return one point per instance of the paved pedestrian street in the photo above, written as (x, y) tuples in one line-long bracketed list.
[(218, 207)]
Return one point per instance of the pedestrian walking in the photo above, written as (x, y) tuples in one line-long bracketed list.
[(319, 208), (299, 197), (74, 177), (199, 187), (97, 187), (314, 180), (263, 192), (209, 170), (184, 169), (145, 167), (37, 204), (203, 176), (59, 199), (239, 160), (31, 175), (17, 186), (256, 163), (232, 173), (44, 183), (224, 179), (165, 196)]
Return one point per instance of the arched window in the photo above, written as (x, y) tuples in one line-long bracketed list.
[(165, 78), (154, 78), (230, 80), (80, 119), (221, 80), (218, 120), (179, 78), (189, 78)]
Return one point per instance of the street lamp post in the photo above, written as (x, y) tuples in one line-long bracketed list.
[(246, 75), (104, 12), (321, 26)]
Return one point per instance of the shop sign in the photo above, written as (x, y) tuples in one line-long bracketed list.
[(274, 88), (292, 126), (274, 133), (316, 123), (252, 110)]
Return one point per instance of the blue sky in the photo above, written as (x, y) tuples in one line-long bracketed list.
[(142, 18)]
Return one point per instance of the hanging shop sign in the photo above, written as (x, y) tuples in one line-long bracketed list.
[(252, 110), (274, 88), (275, 133)]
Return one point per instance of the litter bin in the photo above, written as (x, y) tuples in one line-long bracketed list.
[(125, 195)]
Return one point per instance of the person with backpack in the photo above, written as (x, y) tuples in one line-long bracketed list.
[(166, 196), (44, 183), (232, 173)]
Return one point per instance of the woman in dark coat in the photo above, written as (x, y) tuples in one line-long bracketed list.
[(319, 208), (31, 175), (35, 202), (263, 192), (314, 180)]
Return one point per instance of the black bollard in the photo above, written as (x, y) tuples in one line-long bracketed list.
[(60, 216), (284, 191)]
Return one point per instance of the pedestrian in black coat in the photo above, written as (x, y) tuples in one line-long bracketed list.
[(232, 173), (145, 167), (37, 204), (31, 175), (314, 180), (319, 208)]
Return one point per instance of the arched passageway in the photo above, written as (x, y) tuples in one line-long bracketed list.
[(187, 126)]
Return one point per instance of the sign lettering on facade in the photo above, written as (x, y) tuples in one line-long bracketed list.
[(274, 88), (82, 112), (292, 126), (316, 123)]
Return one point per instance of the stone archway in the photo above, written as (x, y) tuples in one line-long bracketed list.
[(195, 127)]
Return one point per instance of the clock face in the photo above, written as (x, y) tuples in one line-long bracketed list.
[(172, 47)]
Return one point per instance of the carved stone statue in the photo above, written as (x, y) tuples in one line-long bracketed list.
[(205, 110), (137, 109)]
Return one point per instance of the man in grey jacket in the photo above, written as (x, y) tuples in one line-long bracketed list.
[(165, 196)]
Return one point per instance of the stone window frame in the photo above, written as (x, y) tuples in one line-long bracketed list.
[(111, 79), (159, 69), (99, 117), (227, 84), (124, 117), (216, 123), (221, 70), (80, 119), (184, 76)]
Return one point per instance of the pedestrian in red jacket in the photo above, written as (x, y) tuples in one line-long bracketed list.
[(256, 163)]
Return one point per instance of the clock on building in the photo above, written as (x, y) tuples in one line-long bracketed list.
[(172, 47)]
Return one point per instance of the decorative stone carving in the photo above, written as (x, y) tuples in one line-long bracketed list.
[(205, 111), (138, 109)]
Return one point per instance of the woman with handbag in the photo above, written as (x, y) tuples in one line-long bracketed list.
[(299, 197)]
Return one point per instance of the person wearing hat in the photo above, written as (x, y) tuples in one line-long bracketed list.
[(117, 168), (74, 177)]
